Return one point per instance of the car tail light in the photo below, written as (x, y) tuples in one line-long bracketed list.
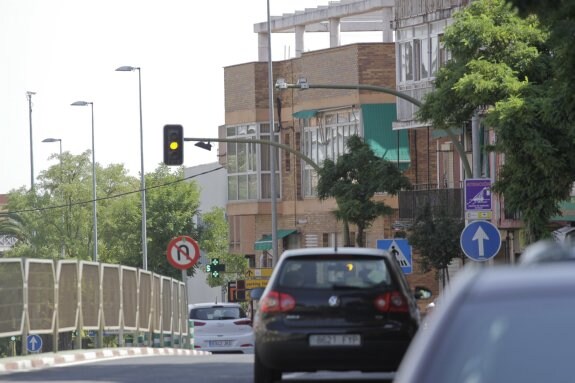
[(197, 324), (275, 302), (243, 322), (393, 302)]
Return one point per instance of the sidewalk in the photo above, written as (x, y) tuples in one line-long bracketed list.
[(39, 361)]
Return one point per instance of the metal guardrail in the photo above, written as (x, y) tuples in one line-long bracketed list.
[(40, 296)]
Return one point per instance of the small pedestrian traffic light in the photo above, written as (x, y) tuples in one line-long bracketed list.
[(173, 145)]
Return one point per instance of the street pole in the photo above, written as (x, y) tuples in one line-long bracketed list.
[(94, 196), (460, 150), (29, 96), (142, 174), (59, 140), (275, 255)]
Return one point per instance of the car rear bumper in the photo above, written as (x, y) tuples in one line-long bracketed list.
[(293, 353), (243, 344)]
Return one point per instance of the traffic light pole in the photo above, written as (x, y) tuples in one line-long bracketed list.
[(297, 153)]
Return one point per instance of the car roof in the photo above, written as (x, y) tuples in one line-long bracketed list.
[(335, 251), (547, 251), (499, 280), (212, 304)]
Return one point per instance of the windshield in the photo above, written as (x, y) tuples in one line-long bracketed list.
[(528, 339), (217, 313), (329, 273)]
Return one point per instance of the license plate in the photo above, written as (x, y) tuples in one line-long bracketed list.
[(335, 340), (220, 343)]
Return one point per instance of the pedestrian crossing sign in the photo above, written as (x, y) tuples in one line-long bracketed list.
[(401, 249)]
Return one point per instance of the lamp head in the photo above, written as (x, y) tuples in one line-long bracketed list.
[(80, 103), (126, 68), (204, 145), (51, 139)]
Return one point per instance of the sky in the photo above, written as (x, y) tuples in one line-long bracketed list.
[(68, 50)]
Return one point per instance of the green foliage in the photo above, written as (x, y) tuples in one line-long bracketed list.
[(213, 234), (56, 219), (170, 212), (354, 180), (509, 64), (436, 235)]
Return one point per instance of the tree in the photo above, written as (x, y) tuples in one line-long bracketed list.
[(436, 235), (354, 180), (502, 61), (172, 205), (56, 218), (213, 234)]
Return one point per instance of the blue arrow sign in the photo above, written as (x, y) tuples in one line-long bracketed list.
[(480, 240), (400, 248), (34, 343)]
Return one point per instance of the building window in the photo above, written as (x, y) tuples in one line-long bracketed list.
[(406, 61), (324, 137), (249, 163)]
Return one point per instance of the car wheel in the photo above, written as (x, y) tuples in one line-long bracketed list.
[(262, 374)]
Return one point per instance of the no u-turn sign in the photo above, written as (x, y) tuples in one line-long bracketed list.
[(183, 252)]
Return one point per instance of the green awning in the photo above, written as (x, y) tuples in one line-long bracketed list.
[(265, 242), (567, 209), (305, 113), (392, 145)]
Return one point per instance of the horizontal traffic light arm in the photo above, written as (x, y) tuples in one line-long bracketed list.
[(263, 142)]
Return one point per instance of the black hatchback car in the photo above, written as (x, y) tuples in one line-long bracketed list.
[(336, 309)]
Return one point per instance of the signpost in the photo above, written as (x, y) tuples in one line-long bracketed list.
[(480, 240), (34, 343), (478, 198), (400, 248), (183, 252), (255, 283), (265, 272)]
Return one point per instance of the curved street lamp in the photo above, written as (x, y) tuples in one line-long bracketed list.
[(142, 175), (94, 197)]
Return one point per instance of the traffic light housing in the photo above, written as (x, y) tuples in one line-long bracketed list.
[(173, 145)]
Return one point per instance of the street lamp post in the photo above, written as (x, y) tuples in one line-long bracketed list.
[(94, 201), (29, 97), (142, 175), (275, 255), (55, 140), (59, 140), (303, 84)]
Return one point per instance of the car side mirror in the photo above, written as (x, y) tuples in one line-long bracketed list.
[(256, 294), (421, 292)]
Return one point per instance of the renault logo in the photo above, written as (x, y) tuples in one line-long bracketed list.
[(333, 301)]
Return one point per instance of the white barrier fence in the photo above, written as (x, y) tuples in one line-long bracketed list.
[(40, 296)]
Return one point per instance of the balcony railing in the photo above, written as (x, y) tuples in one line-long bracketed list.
[(412, 202)]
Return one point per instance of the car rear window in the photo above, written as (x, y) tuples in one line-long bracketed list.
[(217, 313), (327, 273)]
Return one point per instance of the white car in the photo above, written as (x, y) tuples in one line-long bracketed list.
[(221, 327)]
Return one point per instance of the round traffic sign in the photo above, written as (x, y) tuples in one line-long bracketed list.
[(183, 252), (480, 240)]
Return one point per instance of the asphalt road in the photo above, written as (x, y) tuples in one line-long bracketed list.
[(218, 368)]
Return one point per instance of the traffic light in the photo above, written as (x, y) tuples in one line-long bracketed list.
[(173, 144)]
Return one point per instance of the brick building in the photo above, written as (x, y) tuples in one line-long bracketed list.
[(314, 122)]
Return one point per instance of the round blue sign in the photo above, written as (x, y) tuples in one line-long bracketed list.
[(480, 240)]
